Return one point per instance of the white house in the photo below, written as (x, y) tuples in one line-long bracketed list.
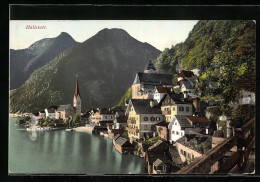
[(120, 120), (177, 127), (50, 112), (159, 93), (187, 87)]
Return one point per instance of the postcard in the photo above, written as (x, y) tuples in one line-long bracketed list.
[(122, 97)]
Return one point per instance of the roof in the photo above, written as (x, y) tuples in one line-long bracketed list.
[(116, 136), (142, 106), (63, 107), (123, 142), (177, 98), (197, 142), (105, 111), (77, 88), (218, 133), (150, 66), (187, 84), (158, 162), (121, 119), (175, 155), (120, 113), (154, 78), (120, 131), (155, 144), (198, 119), (163, 123), (42, 111), (163, 89), (185, 73), (183, 121)]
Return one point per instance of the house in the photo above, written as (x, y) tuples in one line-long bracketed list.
[(114, 132), (160, 167), (42, 114), (142, 117), (184, 74), (102, 115), (120, 120), (174, 104), (50, 112), (162, 130), (177, 127), (191, 146), (145, 83), (159, 93), (122, 145), (64, 112), (187, 87), (159, 150)]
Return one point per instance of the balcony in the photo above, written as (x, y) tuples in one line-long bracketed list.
[(131, 121), (166, 112), (132, 130)]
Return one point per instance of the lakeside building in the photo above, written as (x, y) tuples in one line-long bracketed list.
[(122, 145), (64, 112), (42, 114), (102, 115), (142, 117), (50, 112), (145, 83), (120, 120)]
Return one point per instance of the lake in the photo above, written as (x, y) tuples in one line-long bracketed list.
[(66, 152)]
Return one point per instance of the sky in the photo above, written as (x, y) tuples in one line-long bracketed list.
[(159, 33)]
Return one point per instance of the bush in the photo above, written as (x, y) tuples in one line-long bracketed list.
[(45, 123), (242, 114)]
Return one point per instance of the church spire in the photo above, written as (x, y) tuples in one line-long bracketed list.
[(77, 88)]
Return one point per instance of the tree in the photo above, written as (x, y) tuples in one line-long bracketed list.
[(76, 120)]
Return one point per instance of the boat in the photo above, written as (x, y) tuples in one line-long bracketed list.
[(69, 129)]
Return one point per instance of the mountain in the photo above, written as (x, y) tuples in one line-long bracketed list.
[(223, 51), (106, 65), (25, 61)]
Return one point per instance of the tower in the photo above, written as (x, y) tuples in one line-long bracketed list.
[(77, 99), (150, 68)]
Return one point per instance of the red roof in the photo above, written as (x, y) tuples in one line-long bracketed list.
[(198, 119), (77, 88), (163, 89), (185, 73), (116, 131)]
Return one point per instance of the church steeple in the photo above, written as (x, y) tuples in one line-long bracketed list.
[(77, 88), (150, 68), (77, 99)]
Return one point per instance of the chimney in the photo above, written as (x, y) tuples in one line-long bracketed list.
[(207, 131), (151, 103), (229, 128), (185, 95)]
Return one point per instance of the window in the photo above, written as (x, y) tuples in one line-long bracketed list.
[(188, 155), (105, 117), (158, 118), (145, 127), (111, 117), (152, 118), (173, 132), (187, 109), (181, 108), (177, 133), (192, 156), (182, 152), (164, 109), (145, 118), (173, 108), (181, 133)]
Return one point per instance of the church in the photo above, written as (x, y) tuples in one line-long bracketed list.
[(145, 82)]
